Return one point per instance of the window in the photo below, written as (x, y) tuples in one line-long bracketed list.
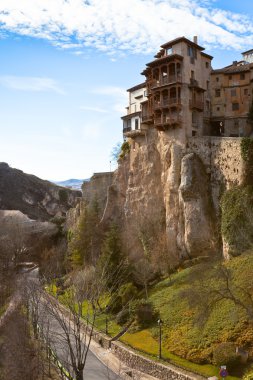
[(217, 79), (207, 65), (230, 77), (192, 52), (145, 93), (194, 133), (207, 84), (217, 93), (242, 76), (136, 123), (192, 74), (218, 108), (233, 92), (246, 91), (169, 51), (235, 106)]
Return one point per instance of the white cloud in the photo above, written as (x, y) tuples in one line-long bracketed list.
[(113, 26), (36, 84), (93, 109)]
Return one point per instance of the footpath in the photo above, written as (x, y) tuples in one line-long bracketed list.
[(128, 364)]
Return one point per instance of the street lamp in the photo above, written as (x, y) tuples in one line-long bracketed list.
[(160, 322), (106, 319)]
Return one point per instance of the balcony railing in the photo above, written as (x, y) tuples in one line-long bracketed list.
[(198, 104), (167, 120), (165, 80), (126, 129), (146, 118), (167, 102)]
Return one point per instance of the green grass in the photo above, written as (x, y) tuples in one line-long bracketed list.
[(185, 343)]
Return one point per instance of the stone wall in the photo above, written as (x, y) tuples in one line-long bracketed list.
[(222, 159), (140, 363)]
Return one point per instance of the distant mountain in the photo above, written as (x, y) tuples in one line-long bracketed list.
[(72, 183), (34, 197)]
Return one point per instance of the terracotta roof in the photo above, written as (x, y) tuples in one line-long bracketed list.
[(233, 69), (137, 87), (181, 39)]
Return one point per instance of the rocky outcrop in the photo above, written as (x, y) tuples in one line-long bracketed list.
[(160, 181), (39, 199), (197, 212), (176, 185)]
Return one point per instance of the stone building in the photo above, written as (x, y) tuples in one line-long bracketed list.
[(132, 125), (231, 96), (183, 97), (178, 90)]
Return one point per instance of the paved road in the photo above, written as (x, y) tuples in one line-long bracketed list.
[(94, 369)]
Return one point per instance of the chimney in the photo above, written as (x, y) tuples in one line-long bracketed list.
[(234, 63), (195, 40)]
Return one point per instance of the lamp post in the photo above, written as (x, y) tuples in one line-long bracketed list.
[(160, 322), (106, 320)]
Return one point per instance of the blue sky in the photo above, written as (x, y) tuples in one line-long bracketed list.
[(65, 66)]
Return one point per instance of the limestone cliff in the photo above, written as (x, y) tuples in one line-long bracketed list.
[(175, 185)]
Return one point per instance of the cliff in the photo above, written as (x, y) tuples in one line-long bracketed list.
[(180, 185), (172, 186), (38, 199)]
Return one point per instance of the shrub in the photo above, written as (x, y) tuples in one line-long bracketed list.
[(225, 354), (125, 149), (123, 316), (127, 292), (144, 313)]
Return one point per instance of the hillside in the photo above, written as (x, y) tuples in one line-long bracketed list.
[(37, 198), (72, 183)]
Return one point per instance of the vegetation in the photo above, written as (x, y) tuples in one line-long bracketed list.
[(247, 156), (237, 218), (125, 149)]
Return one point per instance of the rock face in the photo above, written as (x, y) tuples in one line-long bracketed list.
[(198, 217), (28, 237), (33, 196), (175, 184)]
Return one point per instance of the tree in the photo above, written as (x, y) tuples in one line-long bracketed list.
[(214, 281), (71, 327), (85, 243)]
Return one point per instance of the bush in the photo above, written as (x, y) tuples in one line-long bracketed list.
[(144, 313), (127, 292), (225, 354), (125, 149), (123, 316)]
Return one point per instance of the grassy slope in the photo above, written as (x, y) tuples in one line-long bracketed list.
[(183, 340)]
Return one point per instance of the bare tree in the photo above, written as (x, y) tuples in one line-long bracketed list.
[(70, 327)]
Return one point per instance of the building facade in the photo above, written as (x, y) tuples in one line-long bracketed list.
[(183, 97), (132, 123), (231, 94)]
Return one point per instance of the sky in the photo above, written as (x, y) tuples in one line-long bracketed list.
[(65, 66)]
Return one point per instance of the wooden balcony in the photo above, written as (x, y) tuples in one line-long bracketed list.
[(167, 102), (166, 81), (196, 104), (166, 121), (147, 119)]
